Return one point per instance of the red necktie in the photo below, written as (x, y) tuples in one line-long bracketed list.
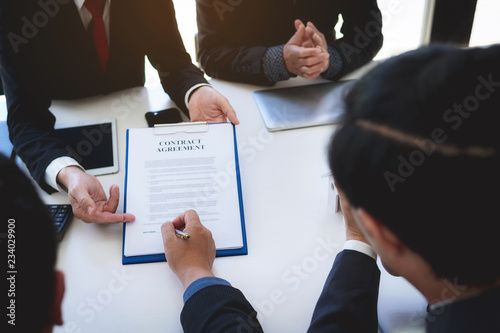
[(98, 29)]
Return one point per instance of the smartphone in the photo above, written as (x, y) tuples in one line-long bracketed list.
[(167, 116)]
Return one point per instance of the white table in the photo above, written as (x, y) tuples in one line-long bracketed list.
[(292, 232)]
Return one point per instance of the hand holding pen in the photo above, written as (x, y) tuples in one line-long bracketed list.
[(190, 259)]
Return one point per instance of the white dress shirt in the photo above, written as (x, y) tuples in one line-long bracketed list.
[(87, 17), (360, 247)]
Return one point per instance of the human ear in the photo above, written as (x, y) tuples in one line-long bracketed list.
[(379, 235)]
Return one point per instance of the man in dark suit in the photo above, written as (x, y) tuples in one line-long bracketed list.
[(69, 49), (35, 288), (263, 42), (416, 162)]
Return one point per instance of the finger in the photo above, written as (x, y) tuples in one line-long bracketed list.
[(228, 110), (83, 200), (309, 70), (316, 31), (114, 197), (312, 72), (310, 32), (231, 115), (298, 24), (168, 233), (298, 36), (100, 217), (188, 218), (313, 60), (311, 76), (179, 222), (308, 44), (318, 42), (191, 219), (308, 52), (312, 27)]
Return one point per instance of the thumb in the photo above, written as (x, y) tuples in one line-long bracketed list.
[(230, 113), (298, 36), (227, 109), (84, 200), (298, 24)]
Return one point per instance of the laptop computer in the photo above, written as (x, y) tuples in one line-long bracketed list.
[(303, 106)]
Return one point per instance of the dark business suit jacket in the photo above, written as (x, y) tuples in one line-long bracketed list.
[(46, 53), (478, 314), (233, 36), (348, 302)]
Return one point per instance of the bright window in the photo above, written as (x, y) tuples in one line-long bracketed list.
[(486, 27), (402, 28)]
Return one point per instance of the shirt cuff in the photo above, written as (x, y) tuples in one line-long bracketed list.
[(359, 246), (273, 64), (190, 91), (335, 64), (203, 283), (53, 170)]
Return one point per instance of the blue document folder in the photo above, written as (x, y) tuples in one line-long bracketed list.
[(170, 130)]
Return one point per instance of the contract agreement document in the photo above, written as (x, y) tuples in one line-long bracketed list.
[(173, 168)]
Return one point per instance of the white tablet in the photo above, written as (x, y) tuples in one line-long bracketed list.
[(93, 144), (302, 106)]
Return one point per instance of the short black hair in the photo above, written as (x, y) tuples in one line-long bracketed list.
[(419, 150), (27, 235)]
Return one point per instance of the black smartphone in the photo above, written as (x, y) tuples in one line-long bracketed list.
[(167, 116)]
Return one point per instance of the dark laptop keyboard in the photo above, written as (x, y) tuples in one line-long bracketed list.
[(62, 216)]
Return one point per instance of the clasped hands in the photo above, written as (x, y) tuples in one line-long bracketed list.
[(306, 53)]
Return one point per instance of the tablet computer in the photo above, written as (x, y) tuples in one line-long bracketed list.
[(303, 106), (5, 144), (93, 144)]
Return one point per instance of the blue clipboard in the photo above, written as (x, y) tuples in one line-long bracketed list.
[(141, 259)]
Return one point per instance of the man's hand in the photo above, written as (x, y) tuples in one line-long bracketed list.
[(192, 258), (207, 104), (318, 40), (352, 230), (303, 54), (88, 199), (316, 37)]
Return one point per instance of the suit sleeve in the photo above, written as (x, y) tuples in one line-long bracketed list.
[(219, 308), (219, 53), (166, 51), (348, 302), (31, 124), (362, 35)]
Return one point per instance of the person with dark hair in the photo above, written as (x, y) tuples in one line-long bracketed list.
[(68, 50), (34, 288), (263, 42), (416, 161)]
